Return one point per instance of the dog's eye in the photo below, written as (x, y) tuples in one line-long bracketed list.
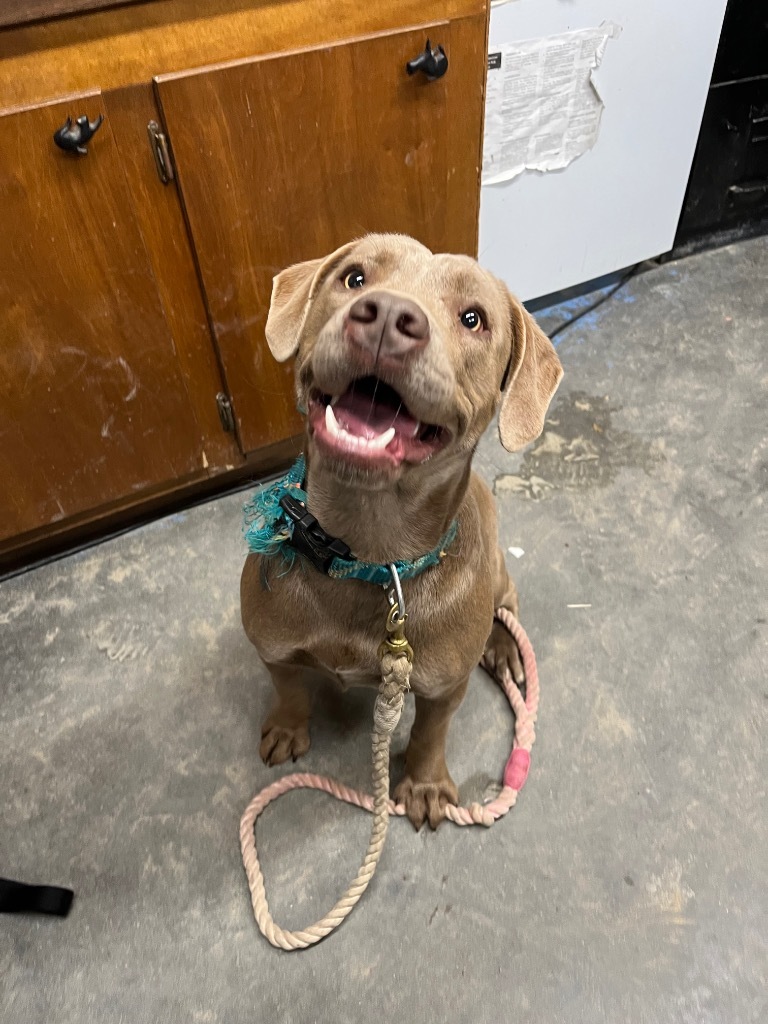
[(354, 278), (472, 319)]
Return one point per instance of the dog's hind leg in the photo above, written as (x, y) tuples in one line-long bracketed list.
[(285, 731)]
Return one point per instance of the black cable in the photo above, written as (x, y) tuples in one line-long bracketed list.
[(19, 898), (598, 302)]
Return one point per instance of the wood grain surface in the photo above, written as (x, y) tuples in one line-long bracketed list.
[(159, 215), (127, 45), (92, 405), (17, 12)]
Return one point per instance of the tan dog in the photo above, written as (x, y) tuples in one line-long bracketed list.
[(412, 353)]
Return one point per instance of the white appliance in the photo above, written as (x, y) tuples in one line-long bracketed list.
[(619, 202)]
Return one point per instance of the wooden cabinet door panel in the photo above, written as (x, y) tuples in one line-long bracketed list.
[(92, 407), (281, 159)]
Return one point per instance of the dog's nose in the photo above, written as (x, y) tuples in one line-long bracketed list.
[(387, 325)]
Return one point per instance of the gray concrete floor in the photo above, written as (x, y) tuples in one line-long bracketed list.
[(630, 883)]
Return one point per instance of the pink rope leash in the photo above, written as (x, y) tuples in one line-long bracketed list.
[(515, 771)]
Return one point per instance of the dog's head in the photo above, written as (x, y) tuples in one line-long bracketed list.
[(403, 356)]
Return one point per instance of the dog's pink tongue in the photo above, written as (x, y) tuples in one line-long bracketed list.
[(366, 417)]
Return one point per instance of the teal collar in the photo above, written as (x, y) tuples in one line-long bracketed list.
[(276, 521)]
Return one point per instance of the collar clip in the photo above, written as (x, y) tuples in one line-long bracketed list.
[(310, 539)]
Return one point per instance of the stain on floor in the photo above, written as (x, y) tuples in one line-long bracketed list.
[(579, 448)]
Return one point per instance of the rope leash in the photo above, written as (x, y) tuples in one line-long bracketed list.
[(395, 671)]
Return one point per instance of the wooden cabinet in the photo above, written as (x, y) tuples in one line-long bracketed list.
[(93, 404), (128, 306)]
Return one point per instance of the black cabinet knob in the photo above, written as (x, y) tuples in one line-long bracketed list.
[(433, 63), (72, 137)]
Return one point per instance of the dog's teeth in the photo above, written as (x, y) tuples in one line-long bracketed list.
[(330, 422), (334, 400), (416, 429), (382, 440), (335, 429)]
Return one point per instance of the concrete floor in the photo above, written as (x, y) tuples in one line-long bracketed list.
[(630, 883)]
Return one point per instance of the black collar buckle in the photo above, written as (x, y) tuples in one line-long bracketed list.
[(310, 539)]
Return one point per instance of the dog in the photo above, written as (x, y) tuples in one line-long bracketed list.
[(403, 357)]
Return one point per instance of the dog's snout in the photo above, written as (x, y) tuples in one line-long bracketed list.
[(387, 325)]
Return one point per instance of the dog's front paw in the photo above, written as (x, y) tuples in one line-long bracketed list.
[(279, 742), (501, 653), (426, 801)]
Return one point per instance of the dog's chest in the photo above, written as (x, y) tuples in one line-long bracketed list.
[(351, 659)]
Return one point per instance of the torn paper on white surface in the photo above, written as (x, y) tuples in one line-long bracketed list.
[(542, 108), (517, 552)]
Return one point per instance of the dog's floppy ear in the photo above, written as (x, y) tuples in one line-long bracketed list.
[(532, 376), (292, 291)]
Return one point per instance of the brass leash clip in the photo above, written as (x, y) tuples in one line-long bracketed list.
[(395, 641)]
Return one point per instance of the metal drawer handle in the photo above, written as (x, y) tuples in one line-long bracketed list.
[(72, 138), (433, 63)]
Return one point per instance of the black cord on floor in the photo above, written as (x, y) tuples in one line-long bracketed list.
[(593, 306)]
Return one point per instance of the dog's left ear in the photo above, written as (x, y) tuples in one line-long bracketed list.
[(292, 292), (532, 377)]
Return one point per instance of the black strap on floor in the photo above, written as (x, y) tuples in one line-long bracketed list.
[(20, 898)]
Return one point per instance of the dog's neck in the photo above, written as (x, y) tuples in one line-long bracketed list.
[(398, 523)]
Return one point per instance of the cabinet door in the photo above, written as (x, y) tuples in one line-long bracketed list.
[(284, 158), (92, 408)]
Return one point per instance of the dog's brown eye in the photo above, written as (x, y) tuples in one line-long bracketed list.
[(354, 278), (472, 320)]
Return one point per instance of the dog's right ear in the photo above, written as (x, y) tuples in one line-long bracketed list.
[(292, 292)]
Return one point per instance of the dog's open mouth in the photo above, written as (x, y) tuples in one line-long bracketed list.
[(370, 422)]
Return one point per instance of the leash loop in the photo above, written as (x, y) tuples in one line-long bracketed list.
[(395, 680), (396, 660)]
